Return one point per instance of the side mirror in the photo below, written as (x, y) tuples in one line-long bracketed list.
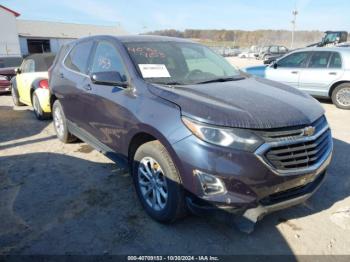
[(275, 65), (18, 70), (111, 78)]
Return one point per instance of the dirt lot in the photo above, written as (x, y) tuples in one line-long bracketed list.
[(69, 199), (244, 62)]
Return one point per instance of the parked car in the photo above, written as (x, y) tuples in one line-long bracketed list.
[(8, 65), (247, 54), (321, 72), (271, 53), (30, 86), (196, 133)]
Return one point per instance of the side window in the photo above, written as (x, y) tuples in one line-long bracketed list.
[(77, 59), (319, 60), (335, 61), (274, 49), (28, 66), (107, 59), (293, 60)]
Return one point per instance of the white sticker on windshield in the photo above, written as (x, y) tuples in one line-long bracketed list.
[(154, 70)]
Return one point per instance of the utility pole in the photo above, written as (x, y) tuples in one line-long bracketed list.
[(295, 13)]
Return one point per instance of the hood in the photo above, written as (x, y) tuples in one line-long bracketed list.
[(249, 103)]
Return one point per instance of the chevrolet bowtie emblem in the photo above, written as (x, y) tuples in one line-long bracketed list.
[(309, 131)]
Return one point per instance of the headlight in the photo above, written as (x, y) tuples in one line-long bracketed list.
[(240, 139), (3, 78)]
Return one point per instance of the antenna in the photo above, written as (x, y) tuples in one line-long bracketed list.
[(294, 13)]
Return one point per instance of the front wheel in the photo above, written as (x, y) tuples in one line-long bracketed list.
[(341, 96), (60, 124), (158, 183)]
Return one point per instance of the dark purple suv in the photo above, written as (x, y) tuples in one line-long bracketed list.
[(196, 132)]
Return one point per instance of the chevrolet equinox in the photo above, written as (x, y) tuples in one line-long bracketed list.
[(197, 134)]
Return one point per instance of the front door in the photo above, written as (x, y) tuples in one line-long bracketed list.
[(288, 69), (23, 80), (107, 117)]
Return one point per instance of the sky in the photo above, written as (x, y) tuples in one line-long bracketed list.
[(139, 16)]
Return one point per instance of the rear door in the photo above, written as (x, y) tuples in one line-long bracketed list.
[(73, 82), (288, 69), (323, 69)]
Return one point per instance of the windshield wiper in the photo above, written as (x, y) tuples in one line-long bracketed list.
[(173, 83), (220, 79)]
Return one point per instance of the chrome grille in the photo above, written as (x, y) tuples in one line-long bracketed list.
[(300, 155), (290, 133), (291, 150)]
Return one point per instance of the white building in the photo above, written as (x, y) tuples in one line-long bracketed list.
[(23, 37), (9, 41)]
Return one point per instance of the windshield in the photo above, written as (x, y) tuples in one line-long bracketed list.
[(10, 62), (331, 37), (179, 63)]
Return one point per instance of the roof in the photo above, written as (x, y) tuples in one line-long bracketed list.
[(40, 56), (11, 11), (150, 38), (329, 49), (42, 61), (138, 38), (45, 29)]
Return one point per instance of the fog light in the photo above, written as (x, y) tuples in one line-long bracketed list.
[(211, 185)]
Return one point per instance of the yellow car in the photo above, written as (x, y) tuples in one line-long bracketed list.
[(30, 86)]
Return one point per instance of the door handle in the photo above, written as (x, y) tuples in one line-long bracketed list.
[(295, 72), (87, 87), (333, 73)]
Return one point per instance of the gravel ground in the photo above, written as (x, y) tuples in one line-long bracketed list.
[(69, 199)]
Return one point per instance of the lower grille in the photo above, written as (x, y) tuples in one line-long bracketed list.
[(300, 155), (293, 192)]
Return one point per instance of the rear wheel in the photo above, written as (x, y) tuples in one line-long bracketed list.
[(158, 183), (15, 97), (60, 124), (341, 96), (38, 111)]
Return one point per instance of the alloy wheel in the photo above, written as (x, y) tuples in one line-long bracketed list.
[(343, 96), (152, 183), (58, 122)]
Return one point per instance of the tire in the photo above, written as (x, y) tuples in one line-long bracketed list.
[(15, 97), (341, 96), (38, 111), (60, 124), (174, 207)]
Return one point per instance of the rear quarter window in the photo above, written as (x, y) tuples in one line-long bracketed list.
[(78, 58), (336, 61)]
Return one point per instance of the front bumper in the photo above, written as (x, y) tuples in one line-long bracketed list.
[(249, 181)]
